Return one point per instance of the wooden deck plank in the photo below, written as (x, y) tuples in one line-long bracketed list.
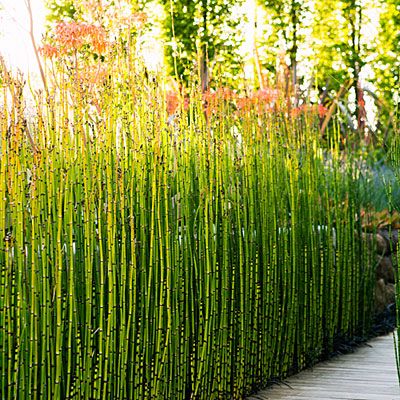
[(367, 374)]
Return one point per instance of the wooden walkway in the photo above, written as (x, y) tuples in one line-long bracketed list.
[(367, 374)]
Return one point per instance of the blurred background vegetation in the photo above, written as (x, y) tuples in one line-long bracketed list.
[(342, 55), (322, 51)]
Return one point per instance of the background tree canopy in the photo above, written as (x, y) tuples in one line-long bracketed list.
[(319, 46)]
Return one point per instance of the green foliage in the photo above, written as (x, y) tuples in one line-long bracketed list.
[(60, 10), (329, 42), (287, 19), (203, 31), (332, 43)]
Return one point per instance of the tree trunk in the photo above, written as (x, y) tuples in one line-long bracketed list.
[(204, 76), (293, 51), (355, 20)]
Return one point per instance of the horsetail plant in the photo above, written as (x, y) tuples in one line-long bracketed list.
[(393, 206), (198, 255)]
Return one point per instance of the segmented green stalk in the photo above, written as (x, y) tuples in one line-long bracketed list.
[(144, 256)]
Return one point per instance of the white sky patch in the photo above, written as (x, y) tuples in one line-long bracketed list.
[(15, 43), (152, 43)]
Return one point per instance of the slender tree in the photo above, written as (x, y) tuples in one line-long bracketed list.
[(353, 13), (341, 49), (203, 33), (286, 21)]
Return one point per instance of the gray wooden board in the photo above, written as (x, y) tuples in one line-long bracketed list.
[(367, 374)]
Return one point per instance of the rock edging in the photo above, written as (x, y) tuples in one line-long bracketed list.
[(385, 268)]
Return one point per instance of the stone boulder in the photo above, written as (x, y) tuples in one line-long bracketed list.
[(391, 239), (385, 245), (384, 295), (382, 245), (385, 270)]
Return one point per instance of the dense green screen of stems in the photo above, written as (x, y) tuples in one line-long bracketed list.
[(394, 206), (145, 256)]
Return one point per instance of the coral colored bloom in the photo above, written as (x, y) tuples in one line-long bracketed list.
[(244, 103), (322, 110), (48, 51), (267, 95), (297, 111), (139, 19), (172, 102), (262, 100), (309, 109), (74, 35)]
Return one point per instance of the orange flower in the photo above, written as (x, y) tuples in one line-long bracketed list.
[(213, 99), (261, 101), (172, 99), (48, 51), (266, 96), (297, 111), (309, 109), (139, 19), (244, 103), (322, 110), (74, 35)]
